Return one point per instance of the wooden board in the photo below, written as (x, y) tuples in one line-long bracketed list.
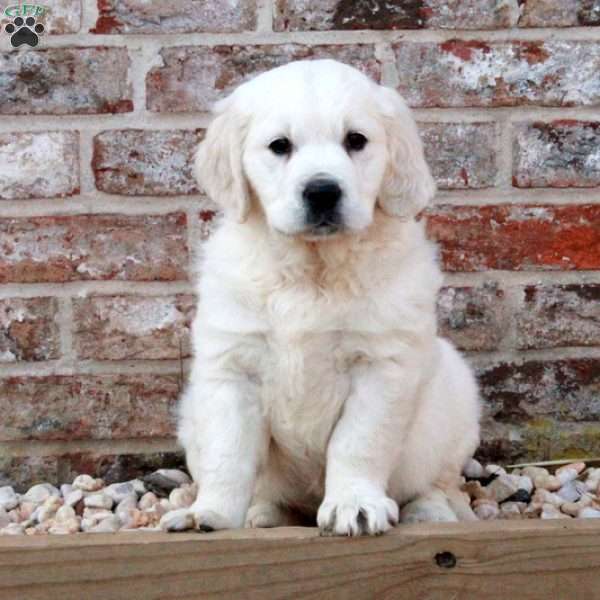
[(504, 560)]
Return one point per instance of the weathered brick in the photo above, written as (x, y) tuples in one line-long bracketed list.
[(132, 327), (61, 407), (22, 472), (515, 237), (192, 78), (478, 73), (115, 468), (28, 329), (64, 16), (517, 393), (461, 155), (140, 16), (543, 439), (472, 317), (63, 81), (136, 161), (299, 15), (559, 315), (39, 165), (61, 248), (559, 13), (557, 154)]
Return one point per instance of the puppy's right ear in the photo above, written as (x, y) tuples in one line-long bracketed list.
[(218, 161)]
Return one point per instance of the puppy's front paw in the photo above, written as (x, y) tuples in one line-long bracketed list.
[(208, 519), (357, 515), (195, 517)]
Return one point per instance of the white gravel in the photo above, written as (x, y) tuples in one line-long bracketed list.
[(159, 501)]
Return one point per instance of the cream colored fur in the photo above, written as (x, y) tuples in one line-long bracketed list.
[(318, 382)]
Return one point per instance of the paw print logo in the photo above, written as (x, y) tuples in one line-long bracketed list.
[(24, 31)]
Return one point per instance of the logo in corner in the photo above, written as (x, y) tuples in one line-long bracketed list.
[(24, 25)]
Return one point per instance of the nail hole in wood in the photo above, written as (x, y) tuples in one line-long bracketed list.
[(446, 560)]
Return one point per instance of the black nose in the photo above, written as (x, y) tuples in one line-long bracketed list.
[(322, 197)]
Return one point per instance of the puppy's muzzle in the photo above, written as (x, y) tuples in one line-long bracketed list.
[(322, 199)]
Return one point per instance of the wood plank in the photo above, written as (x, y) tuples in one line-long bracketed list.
[(494, 560)]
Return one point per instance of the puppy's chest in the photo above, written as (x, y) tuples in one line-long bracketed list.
[(307, 376)]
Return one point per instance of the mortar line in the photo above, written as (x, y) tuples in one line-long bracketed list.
[(505, 156), (522, 278), (94, 367), (82, 289), (100, 203), (264, 16), (86, 175), (331, 37), (511, 307), (89, 16), (485, 358), (162, 121), (26, 448), (65, 323)]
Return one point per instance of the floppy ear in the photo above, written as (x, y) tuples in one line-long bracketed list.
[(218, 161), (407, 186)]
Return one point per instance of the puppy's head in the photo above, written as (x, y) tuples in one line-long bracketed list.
[(316, 145)]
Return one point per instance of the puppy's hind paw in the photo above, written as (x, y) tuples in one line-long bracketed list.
[(265, 514), (432, 508), (371, 515)]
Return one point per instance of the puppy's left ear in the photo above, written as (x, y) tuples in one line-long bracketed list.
[(408, 186)]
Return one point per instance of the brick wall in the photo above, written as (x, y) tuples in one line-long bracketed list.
[(100, 216)]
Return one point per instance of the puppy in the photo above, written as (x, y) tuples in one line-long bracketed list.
[(318, 383)]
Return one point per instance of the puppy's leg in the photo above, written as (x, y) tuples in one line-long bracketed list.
[(364, 447), (223, 433), (269, 506)]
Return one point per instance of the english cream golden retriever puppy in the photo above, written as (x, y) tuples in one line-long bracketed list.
[(318, 382)]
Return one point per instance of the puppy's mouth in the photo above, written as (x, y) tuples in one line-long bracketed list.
[(325, 229)]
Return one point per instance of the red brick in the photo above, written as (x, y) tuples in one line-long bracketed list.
[(461, 155), (479, 73), (39, 165), (472, 317), (192, 78), (517, 238), (140, 16), (559, 13), (557, 154), (62, 81), (301, 15), (132, 327), (559, 315), (83, 247), (63, 16), (28, 329), (136, 161), (79, 407)]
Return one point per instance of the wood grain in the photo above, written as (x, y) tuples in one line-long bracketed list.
[(494, 560)]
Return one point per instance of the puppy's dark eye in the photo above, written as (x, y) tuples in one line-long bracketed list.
[(281, 146), (355, 141)]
